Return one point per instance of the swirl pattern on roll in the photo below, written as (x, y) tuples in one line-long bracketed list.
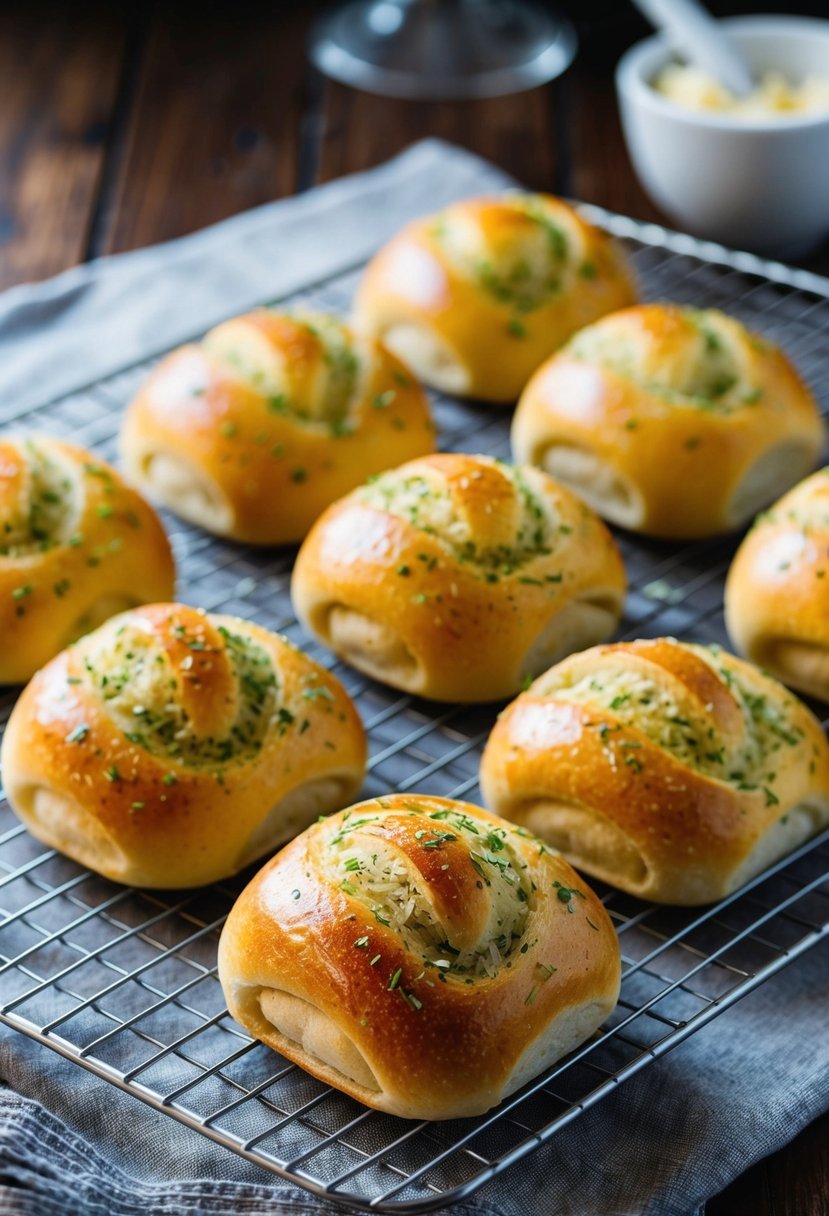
[(672, 770), (672, 421), (171, 748), (72, 535), (420, 954), (254, 431), (455, 576), (777, 591), (476, 297)]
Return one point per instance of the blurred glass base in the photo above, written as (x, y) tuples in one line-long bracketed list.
[(442, 49)]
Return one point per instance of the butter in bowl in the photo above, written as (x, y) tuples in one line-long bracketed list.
[(751, 173)]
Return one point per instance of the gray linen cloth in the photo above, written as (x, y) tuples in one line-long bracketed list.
[(72, 1144)]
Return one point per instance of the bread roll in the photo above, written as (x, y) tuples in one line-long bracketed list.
[(674, 771), (72, 537), (171, 748), (457, 576), (421, 955), (777, 592), (670, 421), (476, 297), (252, 433)]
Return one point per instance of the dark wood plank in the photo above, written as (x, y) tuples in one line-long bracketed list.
[(215, 122), (799, 1181), (600, 169), (359, 130), (60, 66), (749, 1194), (794, 1182)]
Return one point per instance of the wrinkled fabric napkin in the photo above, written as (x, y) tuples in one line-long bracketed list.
[(70, 1143), (668, 1139)]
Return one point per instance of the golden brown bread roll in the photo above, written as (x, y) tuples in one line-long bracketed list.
[(252, 433), (171, 748), (72, 537), (476, 297), (777, 592), (457, 576), (674, 771), (670, 421), (421, 955)]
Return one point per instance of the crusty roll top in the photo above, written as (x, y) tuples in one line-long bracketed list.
[(273, 416), (439, 943), (672, 770), (170, 748), (312, 367), (455, 575), (777, 592), (72, 536), (673, 421), (474, 298)]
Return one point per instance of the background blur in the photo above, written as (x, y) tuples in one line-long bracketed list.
[(126, 124)]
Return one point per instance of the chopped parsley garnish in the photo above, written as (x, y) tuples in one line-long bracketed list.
[(438, 838), (316, 692), (566, 895)]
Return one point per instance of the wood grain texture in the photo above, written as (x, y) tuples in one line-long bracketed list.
[(60, 67), (600, 167), (213, 127), (358, 130), (793, 1182)]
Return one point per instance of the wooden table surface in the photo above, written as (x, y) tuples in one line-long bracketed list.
[(122, 127)]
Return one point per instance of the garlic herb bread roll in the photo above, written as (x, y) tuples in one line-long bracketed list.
[(674, 771), (72, 537), (456, 576), (421, 955), (476, 297), (671, 421), (777, 592), (254, 431), (171, 748)]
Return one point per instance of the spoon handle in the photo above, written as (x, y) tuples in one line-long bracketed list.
[(692, 31)]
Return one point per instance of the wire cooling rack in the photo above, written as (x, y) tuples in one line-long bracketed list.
[(124, 983)]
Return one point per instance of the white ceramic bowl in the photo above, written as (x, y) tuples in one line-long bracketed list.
[(761, 184)]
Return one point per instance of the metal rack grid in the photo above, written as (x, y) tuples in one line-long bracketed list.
[(124, 983)]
